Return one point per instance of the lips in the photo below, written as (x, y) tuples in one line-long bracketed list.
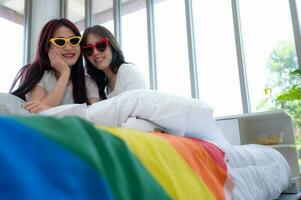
[(68, 55), (99, 59)]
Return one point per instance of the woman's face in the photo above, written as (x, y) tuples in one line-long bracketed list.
[(68, 53), (100, 60)]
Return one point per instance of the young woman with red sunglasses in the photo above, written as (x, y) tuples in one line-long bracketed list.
[(106, 65), (57, 74)]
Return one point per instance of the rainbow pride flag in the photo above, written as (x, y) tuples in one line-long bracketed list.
[(70, 158)]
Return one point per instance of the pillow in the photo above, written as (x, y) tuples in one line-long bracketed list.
[(141, 125), (11, 104), (66, 110), (178, 115)]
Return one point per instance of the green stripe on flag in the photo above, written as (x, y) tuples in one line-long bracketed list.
[(109, 155)]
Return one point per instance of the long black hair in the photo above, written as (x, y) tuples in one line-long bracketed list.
[(117, 57), (31, 74)]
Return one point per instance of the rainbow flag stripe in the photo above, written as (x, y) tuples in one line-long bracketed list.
[(69, 158)]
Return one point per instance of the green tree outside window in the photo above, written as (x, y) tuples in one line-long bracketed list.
[(284, 81)]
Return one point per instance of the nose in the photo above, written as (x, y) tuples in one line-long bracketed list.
[(95, 51), (68, 46)]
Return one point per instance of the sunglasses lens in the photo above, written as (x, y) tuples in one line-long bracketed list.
[(74, 41), (101, 46), (60, 42), (88, 51)]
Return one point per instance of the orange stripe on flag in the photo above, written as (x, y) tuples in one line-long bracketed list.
[(199, 160)]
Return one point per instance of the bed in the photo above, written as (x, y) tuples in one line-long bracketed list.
[(87, 157)]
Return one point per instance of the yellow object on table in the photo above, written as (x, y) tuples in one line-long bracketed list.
[(270, 139)]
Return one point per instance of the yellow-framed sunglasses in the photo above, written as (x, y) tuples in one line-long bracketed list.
[(62, 42)]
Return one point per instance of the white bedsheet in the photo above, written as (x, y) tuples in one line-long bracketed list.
[(259, 172)]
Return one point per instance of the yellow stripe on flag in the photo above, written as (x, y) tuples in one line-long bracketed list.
[(165, 164)]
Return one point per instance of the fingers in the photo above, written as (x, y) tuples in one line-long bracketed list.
[(57, 62), (51, 57), (34, 106), (54, 56)]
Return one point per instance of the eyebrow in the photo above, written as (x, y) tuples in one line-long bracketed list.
[(63, 37)]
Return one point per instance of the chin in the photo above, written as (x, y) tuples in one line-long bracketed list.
[(70, 62), (101, 66)]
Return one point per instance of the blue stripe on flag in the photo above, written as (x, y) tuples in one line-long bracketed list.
[(34, 167)]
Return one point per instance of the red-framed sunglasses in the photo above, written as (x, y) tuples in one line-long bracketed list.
[(101, 46)]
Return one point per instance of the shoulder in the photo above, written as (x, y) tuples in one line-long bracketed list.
[(48, 77), (129, 69), (130, 77), (48, 80), (88, 79), (92, 89), (87, 76)]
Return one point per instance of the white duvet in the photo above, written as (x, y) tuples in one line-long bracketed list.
[(178, 115), (144, 109), (259, 172)]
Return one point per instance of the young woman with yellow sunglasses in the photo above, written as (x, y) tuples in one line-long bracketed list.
[(57, 75)]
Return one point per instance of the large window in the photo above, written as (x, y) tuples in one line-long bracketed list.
[(171, 47), (269, 49), (76, 13), (103, 14), (216, 56), (11, 40), (134, 34)]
